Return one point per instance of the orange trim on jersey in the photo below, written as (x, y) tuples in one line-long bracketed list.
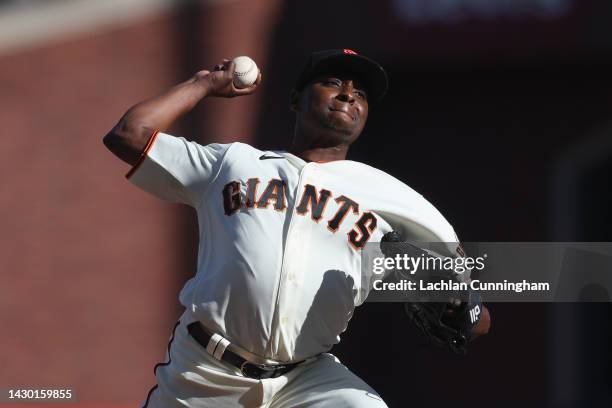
[(143, 154)]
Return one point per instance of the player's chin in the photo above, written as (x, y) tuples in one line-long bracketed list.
[(342, 119), (342, 124), (339, 131)]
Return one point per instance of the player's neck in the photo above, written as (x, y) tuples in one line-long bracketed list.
[(319, 154), (319, 150)]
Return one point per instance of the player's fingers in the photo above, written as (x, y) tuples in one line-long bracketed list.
[(258, 80), (244, 91), (229, 66), (223, 66)]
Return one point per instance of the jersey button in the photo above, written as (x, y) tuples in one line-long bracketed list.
[(284, 320)]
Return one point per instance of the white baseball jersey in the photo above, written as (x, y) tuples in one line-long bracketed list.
[(279, 258)]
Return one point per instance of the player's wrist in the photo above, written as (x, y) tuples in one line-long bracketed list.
[(202, 84)]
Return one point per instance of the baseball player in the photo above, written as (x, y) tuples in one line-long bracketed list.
[(281, 233)]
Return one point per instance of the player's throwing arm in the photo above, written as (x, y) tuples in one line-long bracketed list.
[(130, 135)]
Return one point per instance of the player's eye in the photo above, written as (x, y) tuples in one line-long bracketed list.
[(361, 94), (332, 82)]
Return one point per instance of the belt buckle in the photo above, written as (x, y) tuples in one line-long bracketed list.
[(248, 370), (245, 369)]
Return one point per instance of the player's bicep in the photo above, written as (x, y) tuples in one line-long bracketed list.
[(177, 170)]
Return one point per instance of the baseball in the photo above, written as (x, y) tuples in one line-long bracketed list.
[(245, 73)]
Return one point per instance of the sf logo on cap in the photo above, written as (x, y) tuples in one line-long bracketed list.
[(347, 51)]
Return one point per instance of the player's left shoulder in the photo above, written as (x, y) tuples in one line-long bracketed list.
[(401, 205)]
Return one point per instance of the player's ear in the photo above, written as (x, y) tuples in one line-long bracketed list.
[(294, 101)]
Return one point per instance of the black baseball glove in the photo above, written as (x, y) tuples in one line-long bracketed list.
[(447, 324)]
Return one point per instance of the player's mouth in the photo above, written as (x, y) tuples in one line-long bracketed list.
[(344, 111)]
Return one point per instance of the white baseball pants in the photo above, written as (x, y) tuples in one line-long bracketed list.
[(193, 378)]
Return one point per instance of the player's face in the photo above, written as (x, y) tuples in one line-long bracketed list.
[(337, 104)]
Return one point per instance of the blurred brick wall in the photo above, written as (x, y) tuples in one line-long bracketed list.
[(87, 261), (91, 266)]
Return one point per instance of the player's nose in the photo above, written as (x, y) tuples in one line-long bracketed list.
[(346, 92)]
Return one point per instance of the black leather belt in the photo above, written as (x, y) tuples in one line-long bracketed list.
[(251, 370)]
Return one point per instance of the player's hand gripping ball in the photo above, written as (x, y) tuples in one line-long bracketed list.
[(229, 79), (245, 72)]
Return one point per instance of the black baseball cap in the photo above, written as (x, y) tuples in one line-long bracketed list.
[(345, 60)]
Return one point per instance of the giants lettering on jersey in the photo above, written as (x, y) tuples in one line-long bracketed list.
[(312, 202)]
